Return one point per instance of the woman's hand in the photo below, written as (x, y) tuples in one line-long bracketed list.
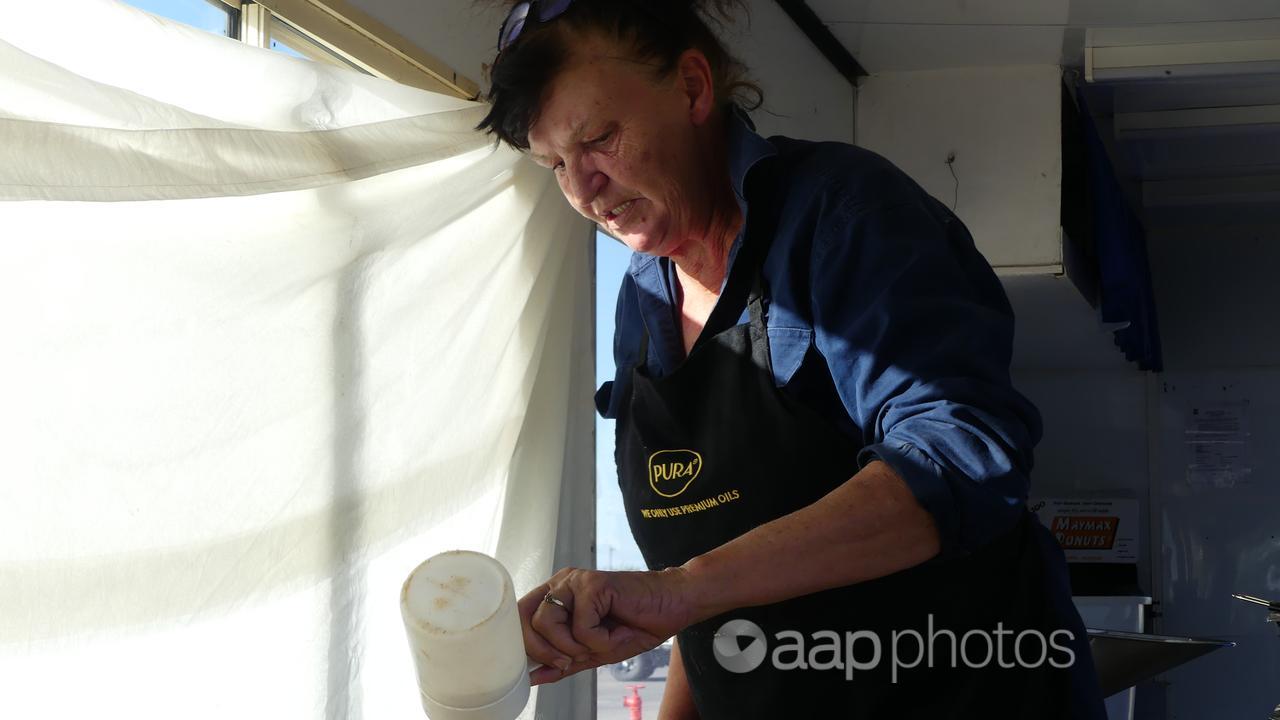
[(607, 617)]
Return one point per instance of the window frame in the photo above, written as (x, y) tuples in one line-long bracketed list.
[(233, 15), (281, 31), (352, 36)]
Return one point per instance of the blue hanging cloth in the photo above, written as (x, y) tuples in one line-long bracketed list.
[(1124, 273)]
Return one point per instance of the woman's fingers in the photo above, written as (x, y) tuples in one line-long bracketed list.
[(598, 618), (553, 622), (535, 646), (543, 675), (592, 625)]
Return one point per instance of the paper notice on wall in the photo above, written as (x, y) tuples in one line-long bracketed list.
[(1217, 438), (1092, 529)]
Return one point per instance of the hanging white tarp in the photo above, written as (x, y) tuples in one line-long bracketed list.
[(273, 333)]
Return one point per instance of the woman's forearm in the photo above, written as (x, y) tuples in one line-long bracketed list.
[(868, 527), (677, 699)]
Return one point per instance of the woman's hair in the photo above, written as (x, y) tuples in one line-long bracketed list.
[(655, 32)]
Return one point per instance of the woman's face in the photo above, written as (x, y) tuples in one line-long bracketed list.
[(628, 151)]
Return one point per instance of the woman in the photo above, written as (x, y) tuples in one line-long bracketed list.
[(820, 453)]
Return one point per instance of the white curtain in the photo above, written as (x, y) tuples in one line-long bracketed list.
[(273, 333)]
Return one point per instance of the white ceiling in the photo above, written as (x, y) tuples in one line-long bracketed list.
[(1194, 149), (892, 35)]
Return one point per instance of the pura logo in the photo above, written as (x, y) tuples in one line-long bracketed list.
[(671, 472)]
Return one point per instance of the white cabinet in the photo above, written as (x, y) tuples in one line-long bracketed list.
[(1003, 125)]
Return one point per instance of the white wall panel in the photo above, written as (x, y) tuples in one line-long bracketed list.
[(1217, 295), (1095, 439), (898, 48), (1004, 126), (1057, 329), (1216, 539), (804, 95), (894, 36)]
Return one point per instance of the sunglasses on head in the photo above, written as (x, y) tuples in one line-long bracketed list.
[(519, 16)]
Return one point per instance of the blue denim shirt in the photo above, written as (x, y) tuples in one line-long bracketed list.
[(883, 317)]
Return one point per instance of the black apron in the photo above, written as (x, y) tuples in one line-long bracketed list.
[(715, 449)]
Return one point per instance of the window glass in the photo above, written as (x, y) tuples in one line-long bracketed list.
[(279, 46), (289, 40), (209, 15)]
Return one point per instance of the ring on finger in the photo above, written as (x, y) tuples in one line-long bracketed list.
[(552, 599)]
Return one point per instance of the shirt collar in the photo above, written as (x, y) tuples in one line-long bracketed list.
[(746, 148)]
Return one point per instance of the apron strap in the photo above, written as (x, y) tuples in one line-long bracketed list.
[(755, 301), (755, 309)]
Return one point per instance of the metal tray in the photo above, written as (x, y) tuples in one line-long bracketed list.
[(1125, 659)]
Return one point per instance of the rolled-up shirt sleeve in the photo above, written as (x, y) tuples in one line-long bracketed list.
[(917, 333)]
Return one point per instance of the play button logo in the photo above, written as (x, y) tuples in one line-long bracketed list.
[(739, 646)]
